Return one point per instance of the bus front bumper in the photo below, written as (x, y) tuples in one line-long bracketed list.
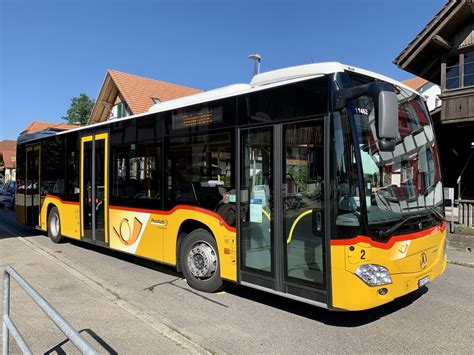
[(352, 294)]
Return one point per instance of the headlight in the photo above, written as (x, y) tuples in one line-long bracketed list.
[(374, 275)]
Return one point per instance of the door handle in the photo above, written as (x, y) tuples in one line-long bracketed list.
[(318, 221)]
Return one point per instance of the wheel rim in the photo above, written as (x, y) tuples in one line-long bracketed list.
[(54, 225), (202, 260)]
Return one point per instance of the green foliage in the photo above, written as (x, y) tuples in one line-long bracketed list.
[(81, 108), (300, 174)]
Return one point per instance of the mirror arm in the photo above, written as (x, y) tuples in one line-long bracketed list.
[(371, 89), (385, 102)]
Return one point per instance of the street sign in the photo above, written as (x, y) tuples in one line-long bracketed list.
[(449, 196)]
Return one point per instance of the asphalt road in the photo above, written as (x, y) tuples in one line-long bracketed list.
[(437, 319)]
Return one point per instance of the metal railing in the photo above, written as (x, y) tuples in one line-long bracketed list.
[(466, 212), (61, 323)]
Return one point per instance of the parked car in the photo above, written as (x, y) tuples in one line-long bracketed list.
[(7, 195), (1, 184)]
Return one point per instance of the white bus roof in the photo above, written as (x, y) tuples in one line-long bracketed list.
[(270, 79), (259, 82)]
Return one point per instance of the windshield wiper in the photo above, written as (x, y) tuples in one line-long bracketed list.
[(385, 232), (437, 214)]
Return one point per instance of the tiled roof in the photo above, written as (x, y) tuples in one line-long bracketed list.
[(7, 152), (7, 158), (415, 83), (139, 92), (38, 126), (7, 145)]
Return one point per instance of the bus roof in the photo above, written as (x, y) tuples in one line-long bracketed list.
[(259, 82), (270, 79)]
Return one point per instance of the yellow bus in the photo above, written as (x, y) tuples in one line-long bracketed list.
[(320, 183)]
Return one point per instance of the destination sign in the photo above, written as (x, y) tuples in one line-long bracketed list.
[(203, 117)]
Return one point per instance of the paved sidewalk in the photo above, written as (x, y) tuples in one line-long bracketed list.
[(117, 319), (458, 257), (102, 318)]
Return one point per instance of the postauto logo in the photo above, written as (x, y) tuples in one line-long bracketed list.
[(127, 232)]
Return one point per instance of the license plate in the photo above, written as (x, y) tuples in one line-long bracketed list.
[(422, 282)]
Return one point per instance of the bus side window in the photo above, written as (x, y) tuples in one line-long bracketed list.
[(136, 172), (72, 167), (199, 171)]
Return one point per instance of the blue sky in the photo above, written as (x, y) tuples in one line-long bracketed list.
[(52, 50)]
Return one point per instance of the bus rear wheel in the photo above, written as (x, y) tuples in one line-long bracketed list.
[(200, 261), (54, 225)]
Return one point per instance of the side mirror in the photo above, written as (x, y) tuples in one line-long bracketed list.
[(386, 109), (386, 120)]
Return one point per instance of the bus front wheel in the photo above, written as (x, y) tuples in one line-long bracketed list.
[(200, 261), (54, 225)]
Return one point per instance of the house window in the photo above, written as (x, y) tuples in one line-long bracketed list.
[(156, 100), (455, 71), (452, 72), (469, 69), (119, 110)]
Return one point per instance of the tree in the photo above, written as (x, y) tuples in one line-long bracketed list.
[(80, 110)]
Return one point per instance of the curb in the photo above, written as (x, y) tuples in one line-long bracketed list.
[(461, 263), (459, 241)]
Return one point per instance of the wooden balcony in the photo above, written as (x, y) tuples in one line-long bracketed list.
[(457, 106)]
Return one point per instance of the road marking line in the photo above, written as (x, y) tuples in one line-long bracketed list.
[(171, 332)]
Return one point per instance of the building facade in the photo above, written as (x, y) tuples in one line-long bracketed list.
[(443, 53), (7, 160)]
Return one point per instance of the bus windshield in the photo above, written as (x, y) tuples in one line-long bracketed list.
[(406, 181)]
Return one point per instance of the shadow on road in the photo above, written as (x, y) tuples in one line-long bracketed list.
[(333, 318), (11, 228), (104, 347)]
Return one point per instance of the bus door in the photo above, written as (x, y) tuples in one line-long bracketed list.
[(32, 185), (282, 239), (94, 191)]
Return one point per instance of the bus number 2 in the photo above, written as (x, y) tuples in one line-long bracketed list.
[(362, 255)]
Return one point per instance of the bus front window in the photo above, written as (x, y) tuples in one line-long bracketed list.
[(406, 181)]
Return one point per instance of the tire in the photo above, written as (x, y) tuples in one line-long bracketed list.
[(199, 260), (54, 225)]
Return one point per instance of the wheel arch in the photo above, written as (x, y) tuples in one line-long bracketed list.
[(49, 206)]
